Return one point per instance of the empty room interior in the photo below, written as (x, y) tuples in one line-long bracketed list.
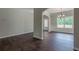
[(39, 29)]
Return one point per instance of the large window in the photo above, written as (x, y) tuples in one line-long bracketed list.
[(66, 22)]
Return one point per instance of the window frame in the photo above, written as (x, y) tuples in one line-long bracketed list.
[(64, 22)]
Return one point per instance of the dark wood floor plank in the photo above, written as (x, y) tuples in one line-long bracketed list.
[(51, 42)]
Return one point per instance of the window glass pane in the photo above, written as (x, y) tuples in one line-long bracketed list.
[(60, 22), (68, 22)]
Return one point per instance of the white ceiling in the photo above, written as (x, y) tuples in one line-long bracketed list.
[(55, 10), (50, 10)]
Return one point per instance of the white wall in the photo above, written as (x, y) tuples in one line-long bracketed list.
[(54, 23), (15, 21)]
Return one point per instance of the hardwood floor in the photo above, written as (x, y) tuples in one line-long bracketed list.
[(52, 42), (59, 41)]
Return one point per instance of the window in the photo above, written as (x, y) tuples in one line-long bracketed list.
[(69, 22), (66, 22), (60, 23), (46, 23)]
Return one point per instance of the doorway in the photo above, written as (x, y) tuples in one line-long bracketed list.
[(46, 23), (45, 26)]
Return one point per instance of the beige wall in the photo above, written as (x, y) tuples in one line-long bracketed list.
[(15, 21), (76, 28)]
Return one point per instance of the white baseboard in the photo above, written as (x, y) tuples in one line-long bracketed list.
[(38, 37), (62, 32), (76, 49), (13, 35)]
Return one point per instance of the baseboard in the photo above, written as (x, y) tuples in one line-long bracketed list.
[(61, 32), (37, 37), (76, 49), (12, 35)]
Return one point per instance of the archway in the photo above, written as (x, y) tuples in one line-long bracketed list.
[(46, 23)]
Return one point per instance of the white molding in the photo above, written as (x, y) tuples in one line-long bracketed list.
[(38, 37), (14, 35)]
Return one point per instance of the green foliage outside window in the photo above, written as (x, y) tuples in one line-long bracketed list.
[(60, 21), (65, 21), (69, 20)]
